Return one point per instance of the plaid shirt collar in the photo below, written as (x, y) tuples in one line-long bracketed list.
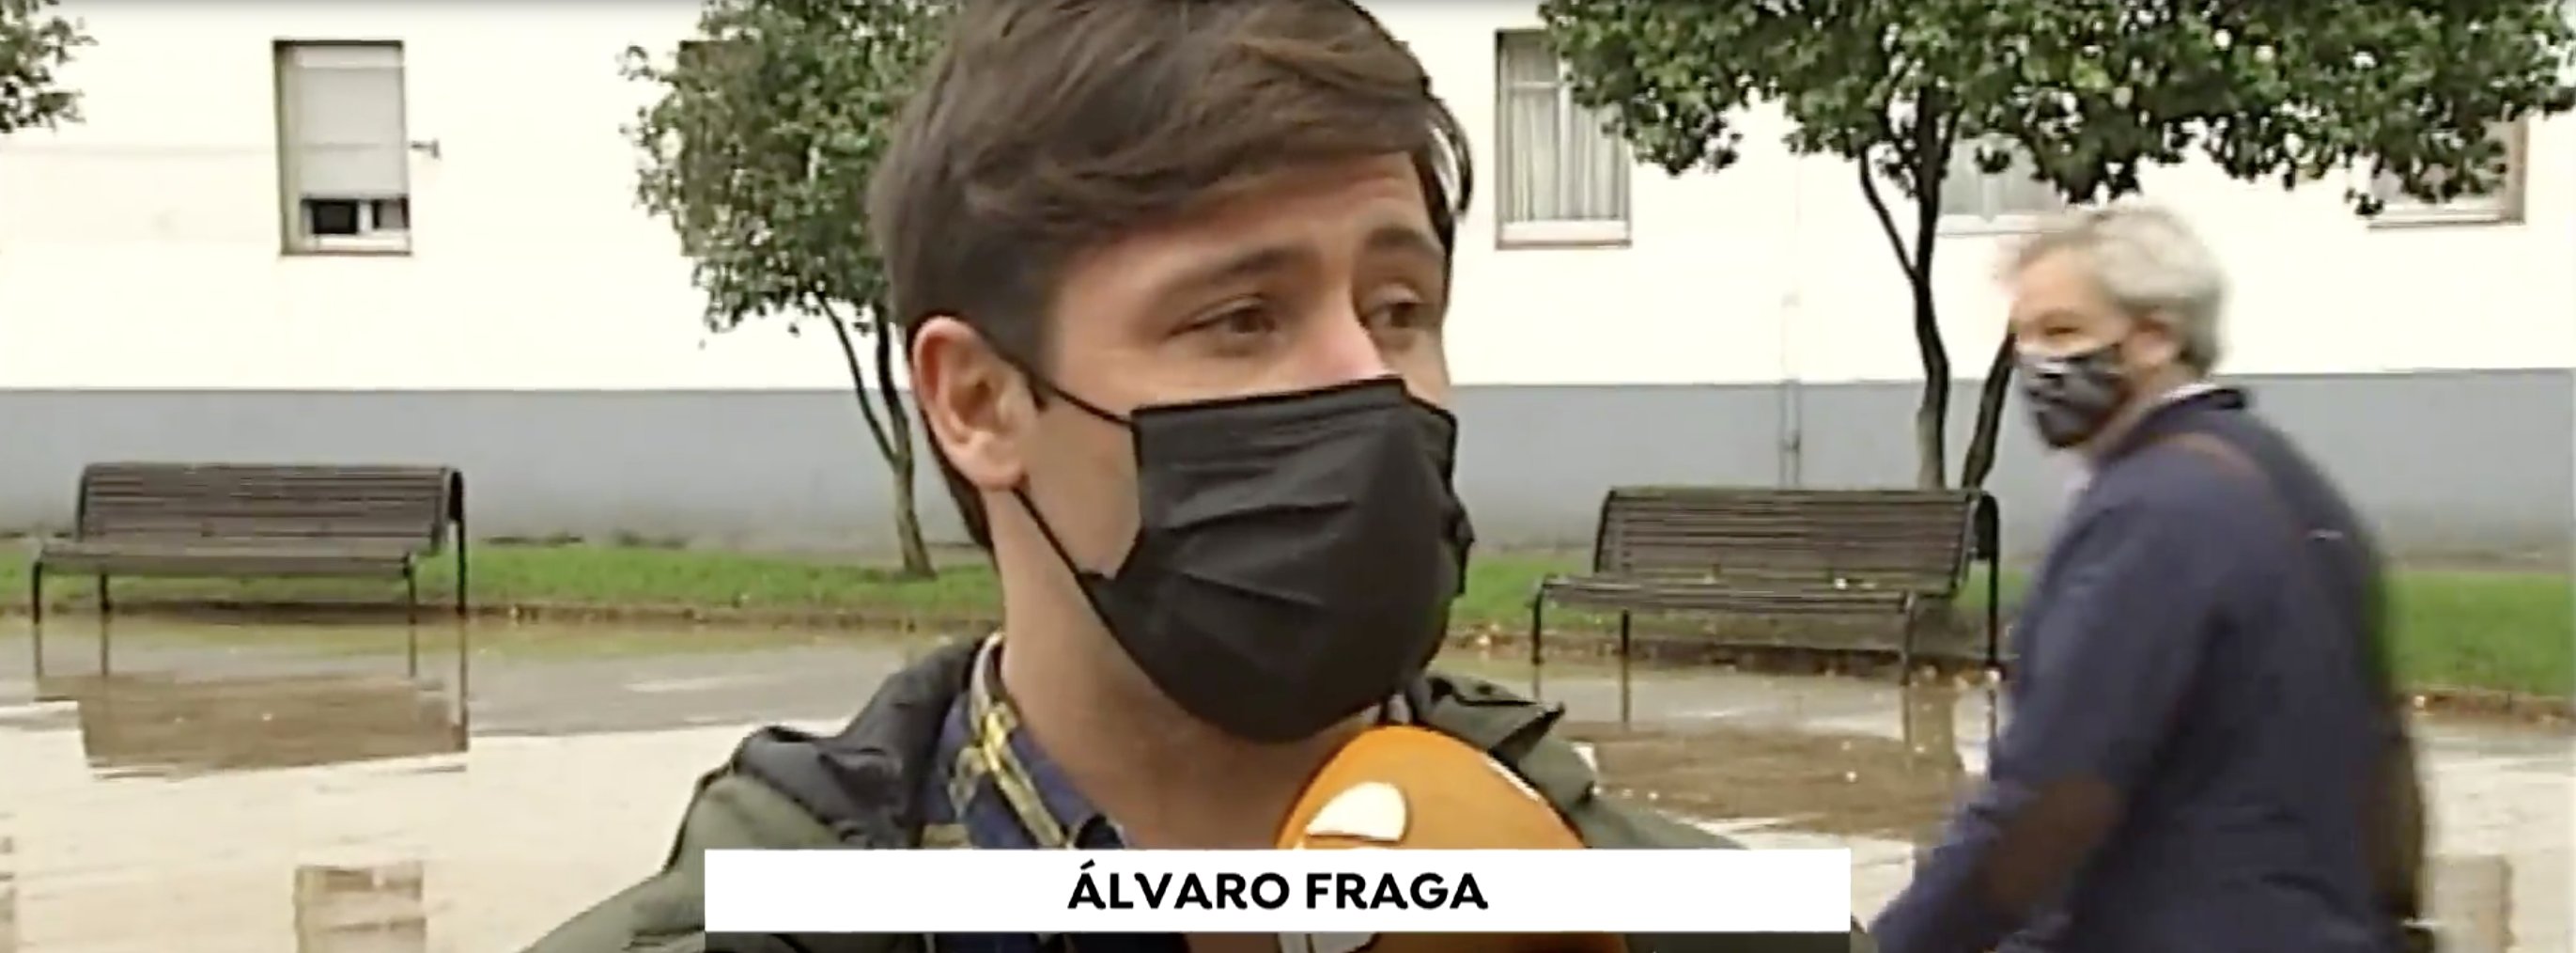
[(1000, 790)]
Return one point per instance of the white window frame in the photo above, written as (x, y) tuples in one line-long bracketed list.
[(2503, 206), (373, 236), (1994, 192), (1573, 120)]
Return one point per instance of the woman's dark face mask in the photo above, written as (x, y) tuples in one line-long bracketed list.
[(1295, 554)]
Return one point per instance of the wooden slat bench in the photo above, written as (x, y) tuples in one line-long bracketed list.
[(234, 520), (1789, 555)]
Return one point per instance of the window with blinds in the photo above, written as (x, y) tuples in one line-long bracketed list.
[(2499, 204), (1976, 200), (343, 148), (1565, 177)]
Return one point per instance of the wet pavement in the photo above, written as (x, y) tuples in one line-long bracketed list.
[(320, 794)]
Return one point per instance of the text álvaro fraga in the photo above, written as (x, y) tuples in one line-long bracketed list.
[(1095, 889)]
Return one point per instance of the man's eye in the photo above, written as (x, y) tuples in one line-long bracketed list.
[(1250, 320), (1396, 314)]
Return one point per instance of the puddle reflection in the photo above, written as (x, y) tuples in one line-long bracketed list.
[(2472, 902), (1895, 778), (170, 725), (377, 909), (8, 892), (1931, 737)]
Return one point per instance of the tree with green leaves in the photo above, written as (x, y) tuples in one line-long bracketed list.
[(758, 150), (35, 44), (2085, 94)]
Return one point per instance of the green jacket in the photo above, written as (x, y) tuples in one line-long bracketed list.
[(785, 789)]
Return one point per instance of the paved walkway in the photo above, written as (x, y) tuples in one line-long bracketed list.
[(116, 836)]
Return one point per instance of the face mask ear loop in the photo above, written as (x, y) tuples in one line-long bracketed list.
[(1046, 531), (1091, 595), (1039, 385)]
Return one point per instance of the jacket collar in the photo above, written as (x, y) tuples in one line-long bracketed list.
[(864, 781), (2177, 413)]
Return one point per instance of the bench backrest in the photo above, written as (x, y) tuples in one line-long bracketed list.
[(264, 501), (1902, 540)]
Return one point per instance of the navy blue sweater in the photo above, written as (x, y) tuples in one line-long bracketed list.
[(2183, 647)]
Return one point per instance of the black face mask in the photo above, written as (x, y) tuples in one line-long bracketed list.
[(1295, 554), (2072, 398)]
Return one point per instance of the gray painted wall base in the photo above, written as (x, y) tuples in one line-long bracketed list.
[(2454, 463)]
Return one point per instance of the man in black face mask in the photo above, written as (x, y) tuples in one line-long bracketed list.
[(2206, 752), (1174, 278)]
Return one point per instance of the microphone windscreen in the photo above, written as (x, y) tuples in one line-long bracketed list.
[(1400, 787)]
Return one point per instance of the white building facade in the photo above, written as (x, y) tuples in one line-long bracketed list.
[(318, 231)]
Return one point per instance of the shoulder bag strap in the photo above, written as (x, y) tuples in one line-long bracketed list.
[(2396, 827)]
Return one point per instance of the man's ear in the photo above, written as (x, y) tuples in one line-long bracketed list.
[(2154, 344), (975, 403)]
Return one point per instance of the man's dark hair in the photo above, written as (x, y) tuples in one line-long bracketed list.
[(1045, 128)]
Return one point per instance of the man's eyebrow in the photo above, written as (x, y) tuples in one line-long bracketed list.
[(1245, 264), (1254, 262), (1406, 239)]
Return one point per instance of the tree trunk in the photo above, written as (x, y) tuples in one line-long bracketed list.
[(907, 509), (1991, 395), (1921, 158), (1932, 413), (890, 427), (1927, 155), (907, 529)]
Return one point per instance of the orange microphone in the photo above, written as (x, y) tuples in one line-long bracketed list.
[(1399, 787)]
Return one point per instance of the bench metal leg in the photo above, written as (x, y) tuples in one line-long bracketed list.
[(1538, 659), (1905, 652), (1625, 643), (411, 623), (1994, 616), (461, 610), (36, 618)]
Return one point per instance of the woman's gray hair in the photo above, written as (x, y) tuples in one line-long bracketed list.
[(2149, 262)]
